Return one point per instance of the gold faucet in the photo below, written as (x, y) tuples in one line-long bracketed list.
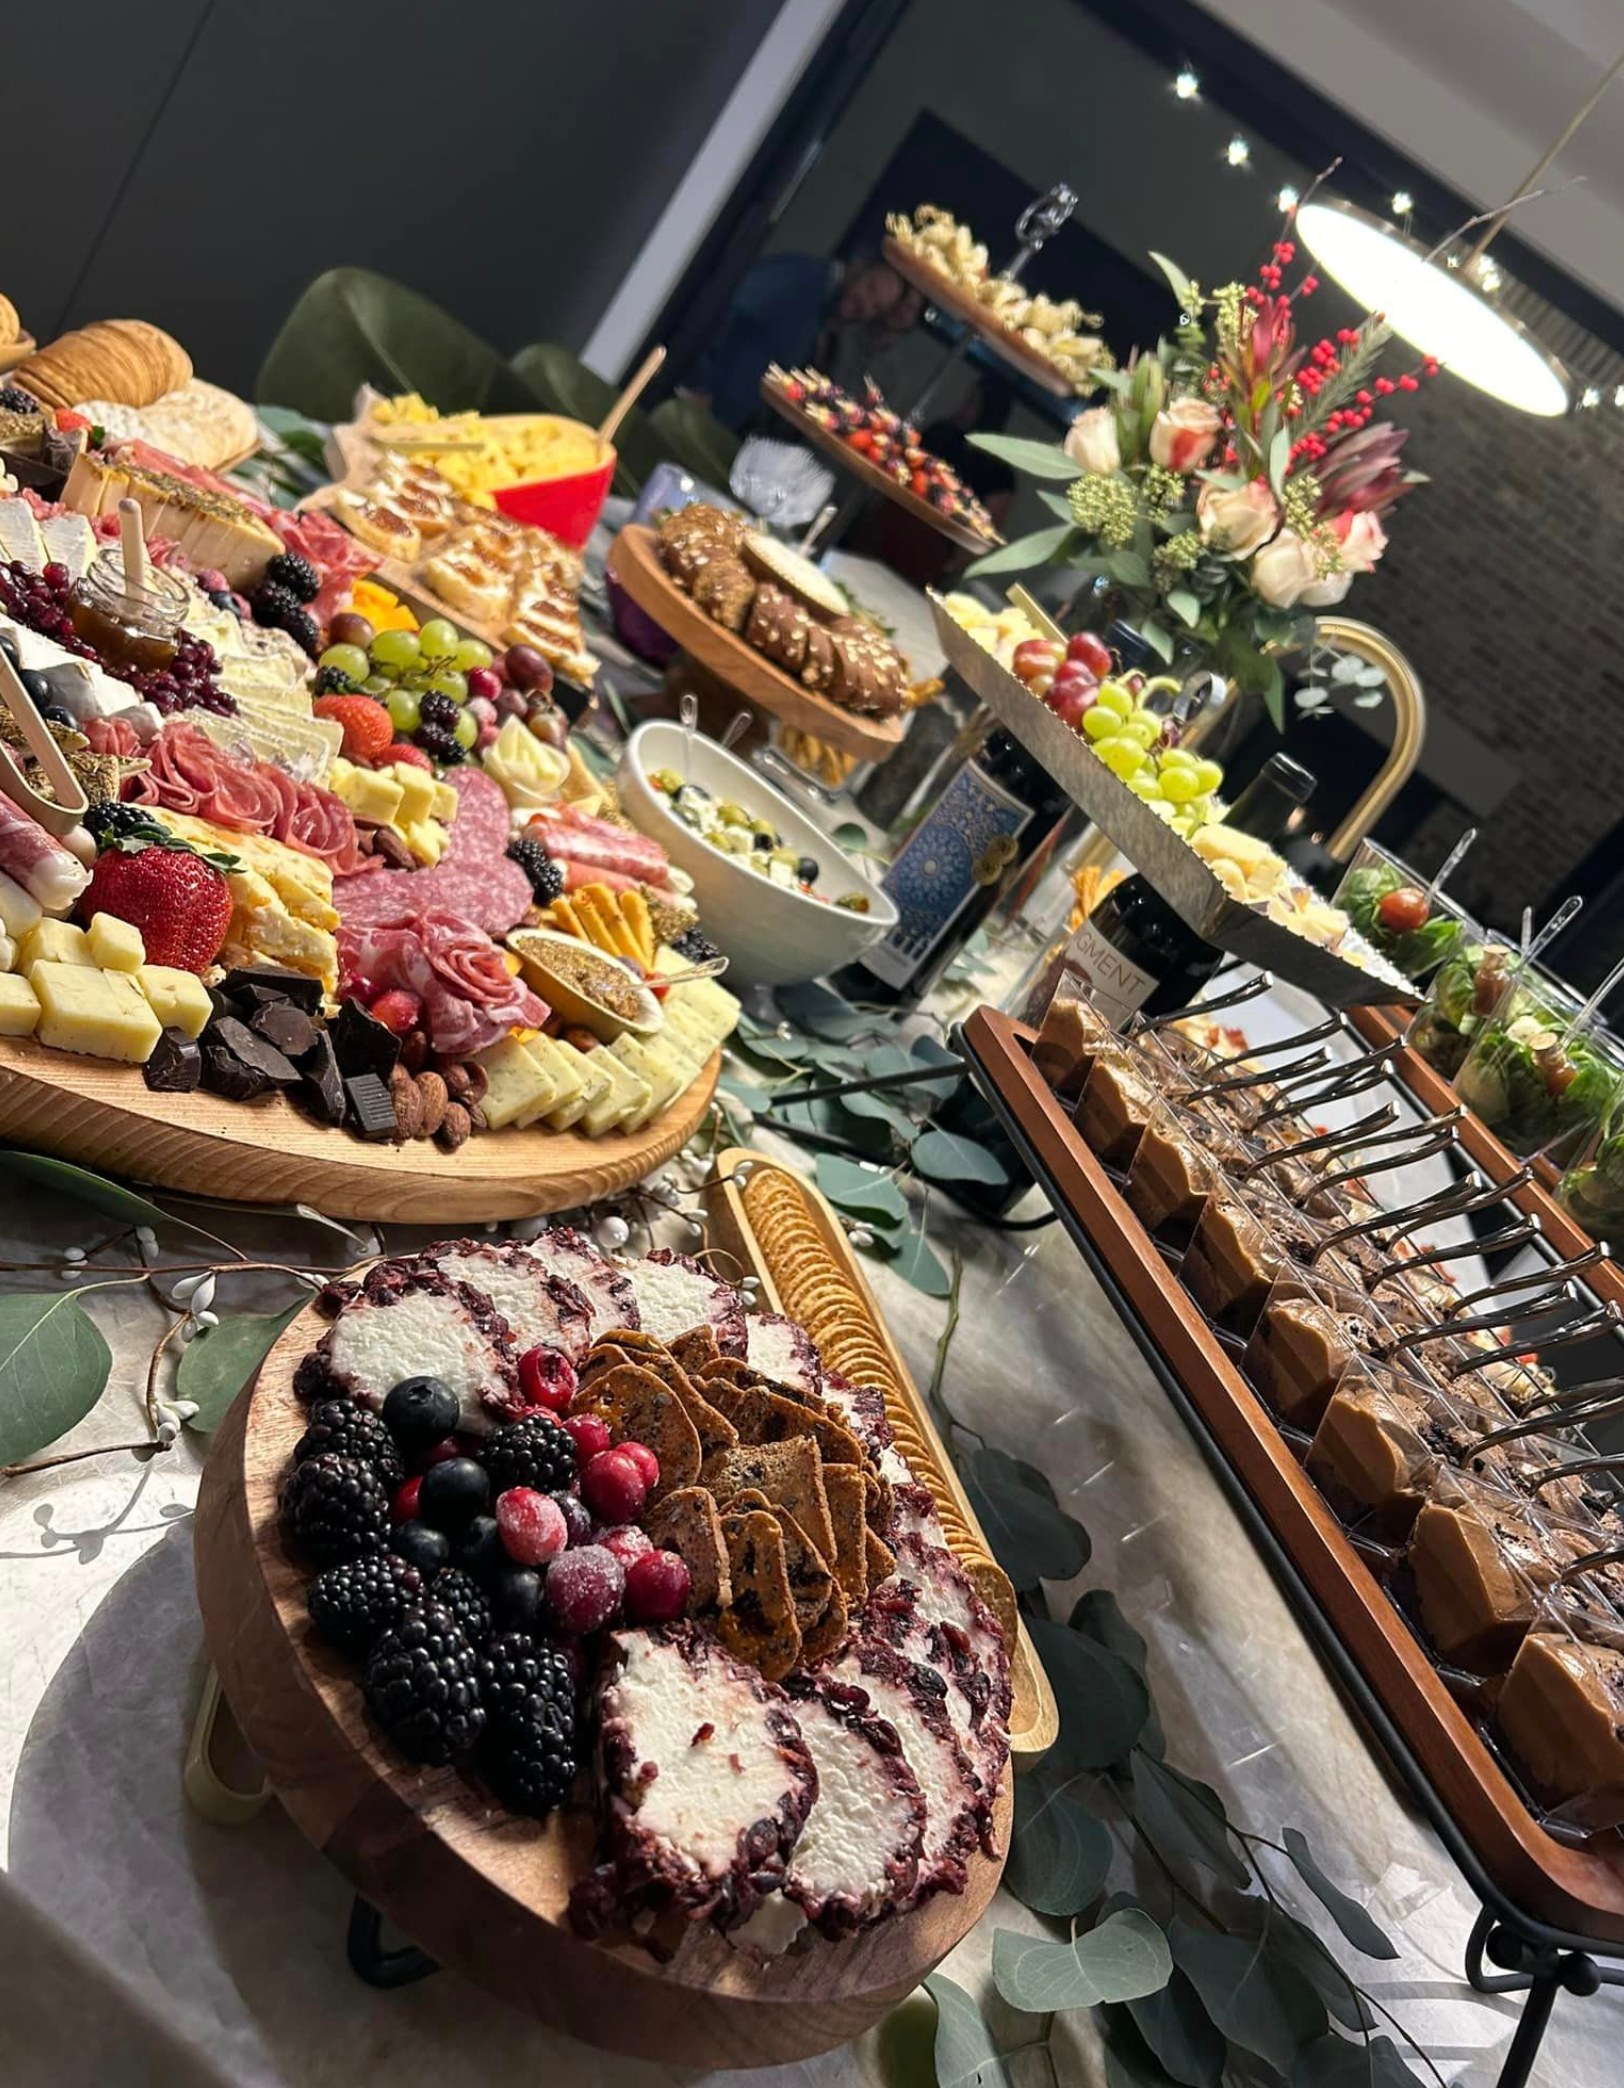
[(1410, 728)]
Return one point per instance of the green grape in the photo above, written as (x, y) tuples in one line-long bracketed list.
[(1115, 697), (439, 638), (405, 709), (1144, 785), (1211, 775), (419, 679), (448, 682), (1180, 785), (1178, 757), (1143, 727), (466, 729), (398, 650), (1123, 757), (377, 685), (348, 659), (1100, 723), (470, 654)]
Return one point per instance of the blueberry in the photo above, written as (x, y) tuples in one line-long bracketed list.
[(428, 1550), (515, 1594), (480, 1550), (453, 1493), (420, 1411), (577, 1517)]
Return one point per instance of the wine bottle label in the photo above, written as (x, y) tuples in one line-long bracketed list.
[(1116, 985), (964, 844)]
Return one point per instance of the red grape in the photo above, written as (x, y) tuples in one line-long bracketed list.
[(1090, 651), (528, 669)]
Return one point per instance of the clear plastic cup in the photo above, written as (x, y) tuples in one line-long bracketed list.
[(1466, 987), (1415, 947), (1543, 1087)]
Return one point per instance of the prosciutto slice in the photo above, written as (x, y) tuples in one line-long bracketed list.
[(576, 837), (474, 880), (470, 998)]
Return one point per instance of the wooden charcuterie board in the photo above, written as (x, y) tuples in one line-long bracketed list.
[(953, 297)]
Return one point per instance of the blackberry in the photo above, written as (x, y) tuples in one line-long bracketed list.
[(529, 1753), (13, 399), (348, 1430), (273, 605), (422, 1686), (534, 1452), (436, 708), (696, 947), (304, 630), (546, 877), (438, 744), (514, 1667), (335, 1508), (333, 681), (354, 1604), (300, 578), (108, 821), (454, 1591)]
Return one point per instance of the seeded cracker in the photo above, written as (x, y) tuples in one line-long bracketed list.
[(714, 1430), (635, 1403), (687, 1523), (846, 1493), (789, 1474), (759, 1624)]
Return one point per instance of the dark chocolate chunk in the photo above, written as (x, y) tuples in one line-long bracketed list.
[(372, 1111), (363, 1044), (236, 1037), (224, 1073), (257, 983), (289, 1028), (321, 1086), (175, 1066)]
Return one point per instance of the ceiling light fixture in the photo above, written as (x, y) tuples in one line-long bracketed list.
[(1187, 85), (1237, 151), (1439, 302)]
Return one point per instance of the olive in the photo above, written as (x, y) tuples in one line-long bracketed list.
[(807, 869)]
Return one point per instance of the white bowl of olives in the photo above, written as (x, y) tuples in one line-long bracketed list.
[(774, 893)]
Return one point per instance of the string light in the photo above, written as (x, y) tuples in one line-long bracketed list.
[(1618, 394), (1488, 276), (1287, 198), (1590, 396), (1187, 85), (1237, 151), (1403, 203)]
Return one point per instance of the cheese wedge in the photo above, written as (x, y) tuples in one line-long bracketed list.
[(54, 942), (179, 999), (114, 944), (370, 793), (8, 954), (417, 793), (428, 840)]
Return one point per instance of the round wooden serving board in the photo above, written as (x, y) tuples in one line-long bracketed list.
[(953, 297), (106, 1116), (635, 563), (480, 1889), (873, 477)]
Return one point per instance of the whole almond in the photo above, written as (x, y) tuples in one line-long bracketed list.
[(478, 1081), (454, 1127), (455, 1075), (432, 1092), (476, 1116), (409, 1110), (414, 1051)]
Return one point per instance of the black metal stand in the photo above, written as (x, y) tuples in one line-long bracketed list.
[(370, 1961), (1537, 1960)]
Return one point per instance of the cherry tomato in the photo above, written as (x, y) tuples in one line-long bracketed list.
[(1403, 911)]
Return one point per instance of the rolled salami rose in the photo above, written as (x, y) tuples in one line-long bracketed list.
[(51, 876)]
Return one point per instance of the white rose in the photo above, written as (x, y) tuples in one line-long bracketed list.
[(1283, 569), (1237, 519), (1091, 441), (1182, 435), (1363, 540), (1326, 593)]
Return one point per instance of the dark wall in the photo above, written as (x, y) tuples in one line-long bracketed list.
[(506, 159)]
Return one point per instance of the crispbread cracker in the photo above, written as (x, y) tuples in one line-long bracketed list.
[(697, 1350), (758, 1625), (819, 1640), (743, 1406), (635, 1403), (810, 1580), (790, 1474), (847, 1494), (714, 1430), (687, 1523), (785, 1418), (882, 1561), (744, 1500)]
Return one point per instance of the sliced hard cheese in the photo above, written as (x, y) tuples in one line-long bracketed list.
[(428, 840), (19, 1006), (102, 1014), (369, 793), (54, 942), (626, 1096), (8, 954), (114, 944), (417, 792), (655, 1065), (515, 1083), (179, 999), (567, 1085), (593, 1086)]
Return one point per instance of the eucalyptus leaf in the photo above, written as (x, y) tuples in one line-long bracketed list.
[(1184, 605), (859, 1189), (1126, 1956), (1368, 699), (1279, 458), (53, 1368), (1256, 2000), (918, 1263), (1097, 1615), (927, 1051), (1059, 1853), (1103, 1703), (1041, 459), (1057, 504), (1127, 568), (829, 1118), (1032, 1537), (823, 1014), (1185, 1818), (218, 1361), (1272, 690), (1353, 1920), (1347, 667), (966, 2056), (1178, 281), (1180, 2032), (754, 1098), (1342, 2062), (1371, 678), (881, 1109), (1042, 547), (111, 1198), (849, 835), (946, 1157)]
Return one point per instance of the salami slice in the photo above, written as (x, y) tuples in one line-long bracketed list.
[(473, 879)]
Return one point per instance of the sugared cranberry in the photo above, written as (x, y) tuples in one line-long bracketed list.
[(584, 1588), (645, 1460), (613, 1487), (657, 1588), (577, 1517), (532, 1525), (590, 1434), (628, 1542), (547, 1378), (403, 1508)]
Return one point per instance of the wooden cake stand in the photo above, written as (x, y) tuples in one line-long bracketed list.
[(953, 297), (106, 1116)]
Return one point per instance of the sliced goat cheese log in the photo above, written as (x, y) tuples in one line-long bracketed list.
[(540, 1308), (862, 1408), (707, 1778), (674, 1295), (782, 1351), (408, 1320), (858, 1855), (913, 1701), (607, 1290)]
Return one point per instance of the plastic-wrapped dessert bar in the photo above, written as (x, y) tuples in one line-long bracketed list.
[(1311, 1331), (1172, 1174), (1117, 1102), (1383, 1444), (1065, 1046), (1560, 1715)]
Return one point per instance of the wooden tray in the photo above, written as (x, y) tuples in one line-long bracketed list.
[(872, 476), (1571, 1888), (480, 1889), (106, 1116), (635, 563), (1035, 1717), (16, 353), (953, 297)]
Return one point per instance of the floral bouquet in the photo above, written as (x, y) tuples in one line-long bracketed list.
[(1237, 482)]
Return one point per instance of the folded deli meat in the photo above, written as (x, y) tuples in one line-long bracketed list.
[(652, 1558)]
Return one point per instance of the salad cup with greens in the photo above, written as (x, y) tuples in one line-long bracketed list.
[(1539, 1087), (1468, 987), (1392, 910)]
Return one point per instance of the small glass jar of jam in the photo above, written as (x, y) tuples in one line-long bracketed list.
[(134, 625)]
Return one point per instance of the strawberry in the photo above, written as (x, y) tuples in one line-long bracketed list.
[(367, 726), (403, 750), (177, 897), (397, 1010)]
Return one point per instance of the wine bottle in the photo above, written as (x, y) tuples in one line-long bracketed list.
[(992, 816), (1139, 955)]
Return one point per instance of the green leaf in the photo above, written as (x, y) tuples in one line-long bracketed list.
[(1059, 1852), (881, 1109), (1097, 1615), (1042, 459), (944, 1156), (112, 1199), (734, 1089), (1187, 1818), (1103, 1704), (1042, 547), (926, 1051), (1340, 2062), (219, 1361), (1256, 2000), (1353, 1920), (1127, 568), (1110, 380), (829, 1118), (1371, 677), (918, 1263), (1057, 504), (1347, 667), (966, 2056), (859, 1189), (53, 1368), (1126, 1956), (1181, 2033), (1157, 638), (1031, 1535), (1273, 694), (1184, 605), (1178, 281), (1279, 458), (814, 1008), (849, 835)]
